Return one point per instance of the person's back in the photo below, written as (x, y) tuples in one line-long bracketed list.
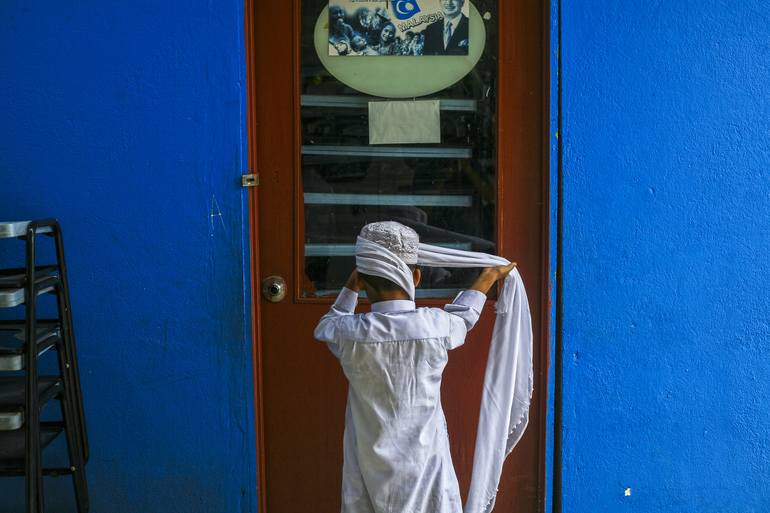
[(397, 456)]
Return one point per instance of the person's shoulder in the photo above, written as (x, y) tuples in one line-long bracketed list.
[(432, 312), (438, 322), (437, 25), (433, 42), (353, 327), (420, 323)]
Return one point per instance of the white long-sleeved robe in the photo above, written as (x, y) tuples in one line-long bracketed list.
[(396, 447)]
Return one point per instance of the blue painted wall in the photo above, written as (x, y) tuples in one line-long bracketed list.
[(666, 268), (126, 120)]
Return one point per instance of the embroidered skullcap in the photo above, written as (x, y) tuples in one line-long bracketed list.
[(399, 239)]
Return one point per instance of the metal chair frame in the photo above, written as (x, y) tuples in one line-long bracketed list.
[(70, 397)]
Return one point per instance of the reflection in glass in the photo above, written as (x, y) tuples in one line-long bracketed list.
[(446, 192)]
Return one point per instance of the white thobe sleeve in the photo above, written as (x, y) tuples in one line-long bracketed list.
[(344, 305), (465, 309)]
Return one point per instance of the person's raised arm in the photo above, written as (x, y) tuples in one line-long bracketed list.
[(490, 275), (468, 304), (345, 304)]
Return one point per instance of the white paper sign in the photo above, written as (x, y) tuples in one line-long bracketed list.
[(404, 122)]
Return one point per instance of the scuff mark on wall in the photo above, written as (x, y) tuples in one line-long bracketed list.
[(215, 213)]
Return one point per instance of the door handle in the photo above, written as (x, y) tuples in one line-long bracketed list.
[(274, 288)]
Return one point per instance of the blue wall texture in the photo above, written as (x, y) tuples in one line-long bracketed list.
[(666, 239), (126, 120)]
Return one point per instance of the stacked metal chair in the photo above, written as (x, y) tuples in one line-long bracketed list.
[(25, 341)]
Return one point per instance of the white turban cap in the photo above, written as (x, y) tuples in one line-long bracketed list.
[(397, 238)]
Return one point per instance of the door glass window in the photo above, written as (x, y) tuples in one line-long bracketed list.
[(447, 192)]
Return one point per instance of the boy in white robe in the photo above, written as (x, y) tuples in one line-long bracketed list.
[(396, 447)]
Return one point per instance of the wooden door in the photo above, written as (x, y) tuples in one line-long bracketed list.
[(483, 188)]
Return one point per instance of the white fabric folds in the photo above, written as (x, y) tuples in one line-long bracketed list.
[(508, 379)]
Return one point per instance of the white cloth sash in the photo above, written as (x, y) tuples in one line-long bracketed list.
[(508, 382)]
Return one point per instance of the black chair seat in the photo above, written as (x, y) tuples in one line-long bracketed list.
[(16, 277), (12, 399), (12, 347), (12, 286), (13, 444)]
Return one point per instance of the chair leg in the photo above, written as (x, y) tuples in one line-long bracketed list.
[(33, 470), (32, 464), (75, 453), (72, 422), (68, 372), (68, 336)]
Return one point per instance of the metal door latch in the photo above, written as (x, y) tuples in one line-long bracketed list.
[(274, 288), (250, 180)]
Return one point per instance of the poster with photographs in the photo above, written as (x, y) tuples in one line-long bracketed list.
[(398, 27)]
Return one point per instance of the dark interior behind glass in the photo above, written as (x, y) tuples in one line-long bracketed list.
[(446, 192)]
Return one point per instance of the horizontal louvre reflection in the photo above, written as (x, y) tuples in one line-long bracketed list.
[(388, 151), (350, 249), (360, 102), (424, 200), (418, 293)]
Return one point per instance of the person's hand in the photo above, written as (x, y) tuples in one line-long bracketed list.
[(499, 272), (489, 275), (354, 281)]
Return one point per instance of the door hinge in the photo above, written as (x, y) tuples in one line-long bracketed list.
[(250, 180)]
